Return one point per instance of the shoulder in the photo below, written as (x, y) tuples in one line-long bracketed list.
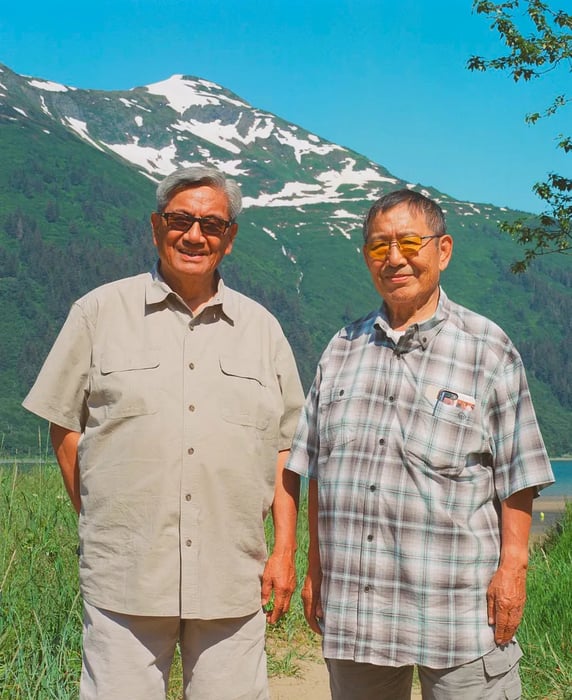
[(480, 329), (128, 287), (355, 334), (244, 308)]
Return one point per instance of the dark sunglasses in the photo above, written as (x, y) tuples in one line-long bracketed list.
[(210, 225)]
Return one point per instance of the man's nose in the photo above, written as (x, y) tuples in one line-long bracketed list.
[(394, 254), (194, 233)]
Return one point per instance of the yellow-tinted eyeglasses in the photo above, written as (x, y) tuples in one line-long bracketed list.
[(408, 246)]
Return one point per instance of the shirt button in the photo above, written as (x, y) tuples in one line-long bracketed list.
[(191, 408), (369, 538), (392, 398), (342, 392), (188, 497), (191, 365), (189, 543), (372, 487), (191, 451), (366, 588), (381, 441)]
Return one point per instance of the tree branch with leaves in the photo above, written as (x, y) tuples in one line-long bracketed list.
[(546, 47)]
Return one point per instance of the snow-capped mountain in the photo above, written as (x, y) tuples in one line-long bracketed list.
[(185, 121), (76, 188)]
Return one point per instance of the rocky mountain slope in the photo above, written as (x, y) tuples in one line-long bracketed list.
[(76, 188)]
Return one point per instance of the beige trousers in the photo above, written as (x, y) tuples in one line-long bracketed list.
[(492, 677), (126, 657)]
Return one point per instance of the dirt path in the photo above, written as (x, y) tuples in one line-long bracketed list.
[(311, 684)]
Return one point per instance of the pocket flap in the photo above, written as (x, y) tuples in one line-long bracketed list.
[(500, 660), (121, 361), (241, 366)]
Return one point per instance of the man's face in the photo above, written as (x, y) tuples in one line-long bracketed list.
[(192, 255), (408, 285)]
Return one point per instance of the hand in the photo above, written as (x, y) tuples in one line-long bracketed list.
[(279, 577), (506, 596), (312, 598)]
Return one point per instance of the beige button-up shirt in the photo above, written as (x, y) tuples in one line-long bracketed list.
[(182, 418)]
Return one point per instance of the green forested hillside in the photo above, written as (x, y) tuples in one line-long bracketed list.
[(72, 217)]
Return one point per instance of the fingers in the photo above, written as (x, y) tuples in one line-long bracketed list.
[(506, 623), (505, 608), (312, 608), (280, 607)]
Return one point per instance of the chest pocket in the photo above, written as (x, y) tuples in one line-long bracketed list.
[(127, 384), (245, 398), (340, 411), (443, 437)]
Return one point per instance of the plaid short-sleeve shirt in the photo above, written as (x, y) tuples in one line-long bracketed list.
[(415, 441)]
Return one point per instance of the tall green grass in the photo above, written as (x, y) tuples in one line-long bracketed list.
[(40, 609), (545, 633)]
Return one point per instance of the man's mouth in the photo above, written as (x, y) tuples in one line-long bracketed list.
[(191, 253), (397, 276)]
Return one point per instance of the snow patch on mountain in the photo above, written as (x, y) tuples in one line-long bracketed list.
[(215, 132), (261, 129), (44, 107), (344, 214), (302, 146), (49, 86), (333, 179), (182, 93), (229, 167), (80, 129), (158, 161)]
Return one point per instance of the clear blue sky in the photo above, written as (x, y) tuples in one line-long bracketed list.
[(386, 78)]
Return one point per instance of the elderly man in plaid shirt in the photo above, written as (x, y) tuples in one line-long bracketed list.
[(424, 455)]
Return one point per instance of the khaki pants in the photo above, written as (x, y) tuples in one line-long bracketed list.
[(492, 677), (126, 657)]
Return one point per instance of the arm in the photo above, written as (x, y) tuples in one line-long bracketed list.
[(280, 570), (65, 443), (507, 590), (311, 595)]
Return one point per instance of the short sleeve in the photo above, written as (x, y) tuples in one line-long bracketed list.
[(520, 458), (58, 394), (306, 445), (292, 393)]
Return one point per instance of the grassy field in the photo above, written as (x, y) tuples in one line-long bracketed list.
[(40, 610)]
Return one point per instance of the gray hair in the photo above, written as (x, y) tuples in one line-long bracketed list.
[(415, 201), (195, 176)]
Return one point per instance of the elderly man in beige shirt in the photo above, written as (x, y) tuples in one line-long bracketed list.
[(172, 401)]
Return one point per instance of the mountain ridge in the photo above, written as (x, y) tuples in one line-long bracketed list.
[(79, 175)]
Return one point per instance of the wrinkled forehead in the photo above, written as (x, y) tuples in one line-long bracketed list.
[(204, 194), (399, 220)]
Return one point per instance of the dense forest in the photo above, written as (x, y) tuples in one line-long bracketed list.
[(72, 217)]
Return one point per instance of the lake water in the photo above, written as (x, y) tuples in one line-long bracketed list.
[(563, 474), (562, 469)]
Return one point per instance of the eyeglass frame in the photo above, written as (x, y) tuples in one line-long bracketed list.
[(395, 241), (194, 219)]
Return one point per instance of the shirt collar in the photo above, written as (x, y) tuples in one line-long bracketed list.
[(157, 291), (417, 334)]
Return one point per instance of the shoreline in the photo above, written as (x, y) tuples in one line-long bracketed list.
[(546, 512)]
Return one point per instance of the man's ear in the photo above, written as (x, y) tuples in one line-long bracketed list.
[(232, 231), (445, 251), (156, 225)]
